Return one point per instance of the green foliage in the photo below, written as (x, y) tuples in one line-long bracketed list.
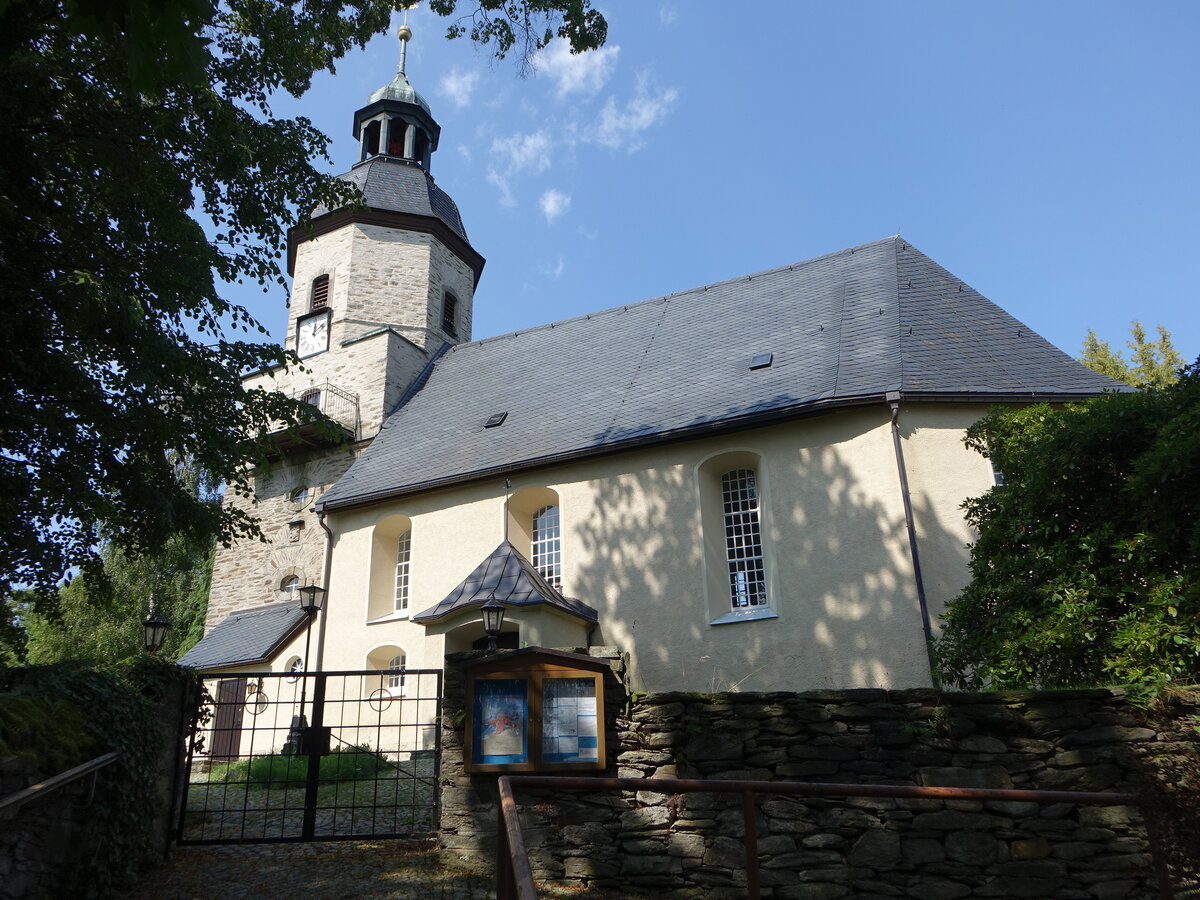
[(127, 124), (343, 764), (43, 733), (117, 708), (528, 25), (1087, 566), (1155, 364)]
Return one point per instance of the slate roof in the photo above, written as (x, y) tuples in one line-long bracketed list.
[(395, 185), (844, 328), (247, 637), (509, 576)]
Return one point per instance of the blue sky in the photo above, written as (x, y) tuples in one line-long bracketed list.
[(1046, 153)]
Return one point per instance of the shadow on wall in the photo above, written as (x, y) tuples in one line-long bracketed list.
[(839, 568)]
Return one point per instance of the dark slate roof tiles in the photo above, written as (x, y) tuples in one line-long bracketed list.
[(246, 637), (846, 327), (509, 577), (396, 186)]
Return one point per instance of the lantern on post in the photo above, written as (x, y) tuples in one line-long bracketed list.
[(154, 631)]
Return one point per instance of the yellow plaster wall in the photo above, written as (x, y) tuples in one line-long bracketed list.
[(839, 568)]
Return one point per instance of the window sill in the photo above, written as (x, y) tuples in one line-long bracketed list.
[(748, 614), (393, 617)]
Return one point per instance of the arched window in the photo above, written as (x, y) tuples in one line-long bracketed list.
[(390, 592), (743, 539), (318, 297), (396, 130), (403, 555), (546, 546), (290, 585), (371, 139), (395, 667), (450, 314)]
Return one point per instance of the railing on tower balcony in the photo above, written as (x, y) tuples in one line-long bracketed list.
[(340, 406)]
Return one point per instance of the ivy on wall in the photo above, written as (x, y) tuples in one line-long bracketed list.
[(65, 714)]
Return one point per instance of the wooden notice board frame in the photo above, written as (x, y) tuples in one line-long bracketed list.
[(507, 708)]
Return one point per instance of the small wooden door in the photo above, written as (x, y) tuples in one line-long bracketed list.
[(227, 722)]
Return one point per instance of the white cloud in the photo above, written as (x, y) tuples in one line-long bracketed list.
[(576, 73), (556, 270), (668, 15), (554, 203), (465, 152), (502, 182), (622, 127), (515, 154), (521, 152), (459, 85)]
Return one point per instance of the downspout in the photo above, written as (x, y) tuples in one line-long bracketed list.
[(325, 569), (893, 399)]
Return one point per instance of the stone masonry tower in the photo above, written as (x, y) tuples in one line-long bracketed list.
[(378, 288)]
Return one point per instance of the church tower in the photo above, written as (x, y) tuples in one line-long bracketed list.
[(379, 287)]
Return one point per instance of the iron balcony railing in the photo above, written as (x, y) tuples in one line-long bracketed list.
[(339, 405)]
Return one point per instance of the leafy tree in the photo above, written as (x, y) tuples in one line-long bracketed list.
[(1087, 565), (126, 124), (1154, 363)]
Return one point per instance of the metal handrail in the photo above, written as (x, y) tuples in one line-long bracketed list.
[(33, 792), (514, 878)]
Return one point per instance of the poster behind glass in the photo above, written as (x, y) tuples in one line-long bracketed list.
[(501, 718), (569, 724)]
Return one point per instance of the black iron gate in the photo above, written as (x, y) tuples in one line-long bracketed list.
[(313, 757)]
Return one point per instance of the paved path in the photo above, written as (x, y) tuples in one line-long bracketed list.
[(362, 870), (349, 869)]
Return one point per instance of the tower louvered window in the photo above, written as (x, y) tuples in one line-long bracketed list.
[(743, 539), (320, 293), (450, 314), (546, 545)]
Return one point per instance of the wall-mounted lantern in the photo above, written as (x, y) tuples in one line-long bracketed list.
[(493, 620)]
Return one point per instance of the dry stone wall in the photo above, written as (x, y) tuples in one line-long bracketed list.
[(691, 845)]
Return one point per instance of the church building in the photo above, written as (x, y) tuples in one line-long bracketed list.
[(748, 485)]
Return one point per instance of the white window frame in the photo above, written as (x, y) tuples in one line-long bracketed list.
[(394, 680), (545, 544), (745, 563), (403, 585)]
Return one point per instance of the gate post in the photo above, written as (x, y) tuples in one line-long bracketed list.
[(312, 748)]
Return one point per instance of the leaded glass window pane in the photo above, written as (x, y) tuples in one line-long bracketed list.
[(546, 545), (743, 539), (403, 550)]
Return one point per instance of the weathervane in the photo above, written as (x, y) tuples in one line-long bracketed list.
[(405, 35)]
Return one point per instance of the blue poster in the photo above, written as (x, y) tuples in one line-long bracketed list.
[(501, 718)]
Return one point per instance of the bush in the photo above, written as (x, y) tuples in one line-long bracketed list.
[(343, 764)]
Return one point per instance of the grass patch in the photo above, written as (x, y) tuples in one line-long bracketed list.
[(354, 763)]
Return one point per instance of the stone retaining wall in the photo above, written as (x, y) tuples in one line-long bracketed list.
[(652, 844)]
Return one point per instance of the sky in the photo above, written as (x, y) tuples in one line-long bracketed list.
[(1045, 153)]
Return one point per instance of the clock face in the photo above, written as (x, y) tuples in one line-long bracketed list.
[(312, 336)]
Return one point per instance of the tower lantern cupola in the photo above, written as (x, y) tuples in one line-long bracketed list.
[(397, 121)]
